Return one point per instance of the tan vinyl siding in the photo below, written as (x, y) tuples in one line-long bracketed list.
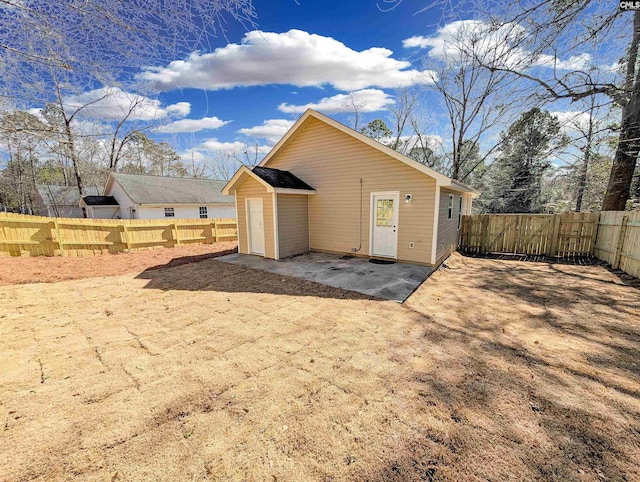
[(447, 228), (251, 188), (333, 163), (293, 224)]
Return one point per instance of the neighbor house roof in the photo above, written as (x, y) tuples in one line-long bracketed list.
[(144, 189), (291, 134), (100, 201), (63, 195), (274, 180), (278, 178)]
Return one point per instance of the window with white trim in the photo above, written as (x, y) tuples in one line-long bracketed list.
[(203, 212), (460, 213), (169, 213), (450, 207)]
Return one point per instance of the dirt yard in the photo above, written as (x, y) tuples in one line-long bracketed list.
[(492, 370), (41, 269)]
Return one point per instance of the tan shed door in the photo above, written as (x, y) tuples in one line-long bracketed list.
[(255, 221), (384, 229)]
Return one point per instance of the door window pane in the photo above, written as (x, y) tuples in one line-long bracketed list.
[(384, 212)]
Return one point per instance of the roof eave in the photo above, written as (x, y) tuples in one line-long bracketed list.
[(288, 190), (459, 187)]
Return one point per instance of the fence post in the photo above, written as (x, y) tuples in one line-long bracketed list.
[(214, 231), (552, 246), (620, 243), (125, 235), (595, 220), (484, 245), (176, 235), (59, 237)]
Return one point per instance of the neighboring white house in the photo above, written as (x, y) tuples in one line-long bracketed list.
[(60, 201), (138, 196)]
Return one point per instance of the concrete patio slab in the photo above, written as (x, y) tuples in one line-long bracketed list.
[(389, 281)]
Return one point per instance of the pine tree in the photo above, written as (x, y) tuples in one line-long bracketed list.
[(524, 158)]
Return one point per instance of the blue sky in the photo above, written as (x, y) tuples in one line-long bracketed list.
[(359, 25), (252, 83)]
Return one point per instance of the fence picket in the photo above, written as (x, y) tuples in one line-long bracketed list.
[(612, 236), (23, 235)]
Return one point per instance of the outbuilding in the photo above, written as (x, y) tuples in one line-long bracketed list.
[(328, 188), (141, 196)]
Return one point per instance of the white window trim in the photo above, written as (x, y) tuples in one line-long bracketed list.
[(450, 207), (206, 212), (460, 204), (173, 212)]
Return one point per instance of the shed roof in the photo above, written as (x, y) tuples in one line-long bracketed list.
[(274, 180), (144, 189), (281, 179), (100, 201)]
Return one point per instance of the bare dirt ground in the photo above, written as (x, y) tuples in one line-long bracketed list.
[(492, 370), (42, 269)]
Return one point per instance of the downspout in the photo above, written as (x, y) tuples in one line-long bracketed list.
[(354, 250)]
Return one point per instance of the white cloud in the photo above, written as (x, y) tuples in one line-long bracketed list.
[(572, 121), (432, 141), (367, 100), (575, 62), (37, 113), (113, 103), (192, 155), (213, 145), (294, 57), (180, 109), (271, 130), (193, 125), (462, 39)]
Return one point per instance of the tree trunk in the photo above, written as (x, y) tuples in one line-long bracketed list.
[(584, 169), (71, 153), (624, 162)]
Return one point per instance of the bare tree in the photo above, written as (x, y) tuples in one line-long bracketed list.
[(402, 111), (473, 96), (354, 109), (21, 133), (579, 26), (589, 132), (103, 41), (591, 82)]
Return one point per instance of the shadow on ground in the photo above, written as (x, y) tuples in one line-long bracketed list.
[(542, 365), (566, 261), (192, 259), (211, 275)]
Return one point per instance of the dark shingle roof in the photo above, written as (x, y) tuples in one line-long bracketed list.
[(282, 179), (100, 201), (64, 195), (144, 189)]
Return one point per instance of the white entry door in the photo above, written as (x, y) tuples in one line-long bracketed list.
[(255, 223), (384, 220)]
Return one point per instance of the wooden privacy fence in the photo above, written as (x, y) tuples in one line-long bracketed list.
[(613, 236), (618, 241), (22, 235)]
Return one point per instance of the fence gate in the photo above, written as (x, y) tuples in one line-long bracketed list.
[(565, 235)]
